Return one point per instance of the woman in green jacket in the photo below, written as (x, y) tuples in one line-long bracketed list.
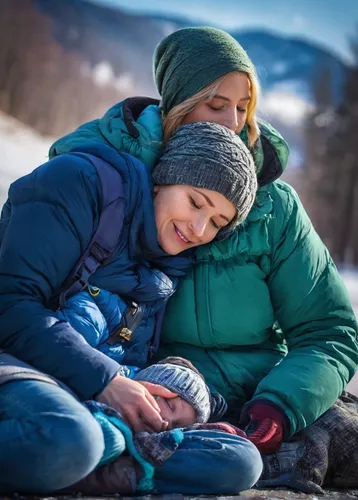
[(264, 314)]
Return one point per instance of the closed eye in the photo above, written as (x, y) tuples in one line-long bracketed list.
[(197, 207), (215, 108), (168, 404), (193, 203), (214, 224)]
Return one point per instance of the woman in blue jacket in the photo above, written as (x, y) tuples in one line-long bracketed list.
[(204, 185)]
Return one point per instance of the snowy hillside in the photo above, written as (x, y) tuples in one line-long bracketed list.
[(127, 41), (22, 149), (281, 59), (103, 55)]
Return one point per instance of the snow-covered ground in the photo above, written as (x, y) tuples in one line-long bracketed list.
[(22, 149)]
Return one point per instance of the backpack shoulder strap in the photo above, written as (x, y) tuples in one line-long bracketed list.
[(105, 240)]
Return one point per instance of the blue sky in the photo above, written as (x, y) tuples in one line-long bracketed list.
[(328, 22)]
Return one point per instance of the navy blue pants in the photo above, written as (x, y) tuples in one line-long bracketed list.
[(48, 441)]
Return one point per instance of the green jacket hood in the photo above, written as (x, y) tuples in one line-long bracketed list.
[(136, 130), (134, 126)]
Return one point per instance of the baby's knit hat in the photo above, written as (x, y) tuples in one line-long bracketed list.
[(185, 382), (189, 59), (207, 155)]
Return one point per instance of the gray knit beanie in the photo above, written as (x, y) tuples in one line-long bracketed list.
[(189, 59), (183, 381), (207, 155)]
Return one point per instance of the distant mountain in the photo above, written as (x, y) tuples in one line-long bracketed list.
[(280, 59), (290, 72), (102, 34), (90, 57), (127, 42)]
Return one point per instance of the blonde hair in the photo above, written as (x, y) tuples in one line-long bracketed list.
[(175, 117)]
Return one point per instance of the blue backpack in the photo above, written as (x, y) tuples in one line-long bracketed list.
[(101, 250)]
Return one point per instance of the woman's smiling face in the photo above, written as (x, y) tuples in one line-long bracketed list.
[(187, 216)]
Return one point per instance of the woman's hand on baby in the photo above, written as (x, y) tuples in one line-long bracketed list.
[(135, 403), (158, 390)]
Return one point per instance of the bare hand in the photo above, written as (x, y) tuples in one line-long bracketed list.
[(158, 390), (135, 403)]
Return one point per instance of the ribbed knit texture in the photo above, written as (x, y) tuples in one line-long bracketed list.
[(210, 156), (184, 382), (189, 59)]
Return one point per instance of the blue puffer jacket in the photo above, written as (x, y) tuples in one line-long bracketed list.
[(46, 223), (96, 314)]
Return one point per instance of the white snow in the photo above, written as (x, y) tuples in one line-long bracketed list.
[(285, 104), (350, 278), (353, 385), (325, 119), (103, 75), (22, 149)]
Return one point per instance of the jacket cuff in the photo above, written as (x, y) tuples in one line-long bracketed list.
[(282, 411)]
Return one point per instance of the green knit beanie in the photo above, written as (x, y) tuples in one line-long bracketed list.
[(189, 59)]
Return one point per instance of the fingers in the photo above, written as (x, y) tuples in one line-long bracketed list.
[(158, 390), (145, 420), (151, 416), (135, 403), (139, 423), (165, 426), (152, 400), (135, 422), (147, 427)]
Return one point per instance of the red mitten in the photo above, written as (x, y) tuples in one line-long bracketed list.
[(266, 426)]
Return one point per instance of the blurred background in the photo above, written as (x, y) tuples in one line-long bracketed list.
[(64, 62)]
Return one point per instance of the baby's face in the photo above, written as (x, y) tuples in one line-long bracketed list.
[(176, 411)]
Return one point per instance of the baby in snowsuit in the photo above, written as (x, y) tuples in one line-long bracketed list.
[(99, 316), (138, 455)]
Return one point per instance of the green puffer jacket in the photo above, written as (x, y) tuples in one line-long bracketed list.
[(263, 314)]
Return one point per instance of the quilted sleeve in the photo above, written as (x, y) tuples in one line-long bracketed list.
[(312, 307), (53, 213)]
